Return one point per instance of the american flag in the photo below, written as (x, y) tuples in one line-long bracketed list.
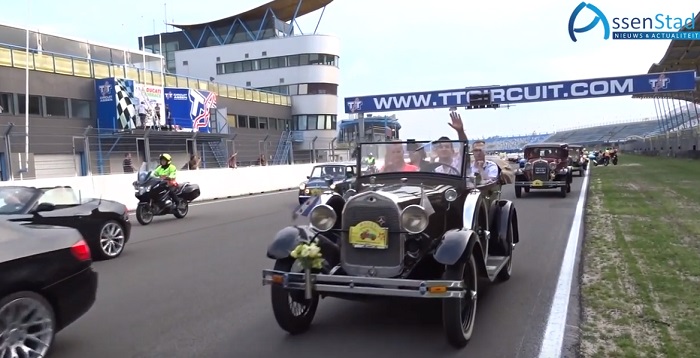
[(202, 120)]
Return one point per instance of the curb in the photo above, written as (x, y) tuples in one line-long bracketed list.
[(131, 211)]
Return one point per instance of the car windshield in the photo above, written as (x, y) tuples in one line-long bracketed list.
[(444, 157), (334, 171), (14, 200), (534, 153)]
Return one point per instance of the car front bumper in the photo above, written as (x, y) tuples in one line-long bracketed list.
[(371, 286), (541, 184)]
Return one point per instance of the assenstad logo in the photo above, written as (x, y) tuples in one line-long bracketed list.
[(659, 27)]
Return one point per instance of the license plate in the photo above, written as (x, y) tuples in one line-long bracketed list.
[(369, 235), (537, 183)]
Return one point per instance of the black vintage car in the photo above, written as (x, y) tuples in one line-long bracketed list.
[(578, 160), (546, 167), (103, 223), (46, 283), (402, 233), (335, 177)]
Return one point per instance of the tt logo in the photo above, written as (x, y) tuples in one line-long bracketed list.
[(381, 220), (659, 84)]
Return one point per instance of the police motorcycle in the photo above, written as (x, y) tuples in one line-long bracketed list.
[(154, 198)]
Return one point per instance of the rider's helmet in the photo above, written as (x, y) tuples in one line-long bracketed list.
[(165, 157), (370, 155)]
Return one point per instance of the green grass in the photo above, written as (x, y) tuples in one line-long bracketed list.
[(641, 280)]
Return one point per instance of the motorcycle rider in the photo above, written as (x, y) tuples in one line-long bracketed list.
[(168, 172)]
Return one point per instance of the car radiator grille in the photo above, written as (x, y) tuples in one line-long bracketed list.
[(358, 261), (540, 171)]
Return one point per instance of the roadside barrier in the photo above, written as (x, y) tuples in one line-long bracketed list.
[(213, 183)]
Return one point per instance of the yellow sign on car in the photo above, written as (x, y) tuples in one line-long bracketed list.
[(369, 235), (537, 183)]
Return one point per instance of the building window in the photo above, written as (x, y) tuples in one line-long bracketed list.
[(252, 122), (282, 125), (322, 88), (303, 88), (262, 123), (305, 59), (272, 124), (56, 106), (314, 122), (242, 121), (34, 105), (80, 108), (6, 103)]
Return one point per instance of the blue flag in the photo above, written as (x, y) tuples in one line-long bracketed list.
[(305, 208)]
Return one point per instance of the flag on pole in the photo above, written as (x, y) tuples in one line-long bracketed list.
[(305, 208)]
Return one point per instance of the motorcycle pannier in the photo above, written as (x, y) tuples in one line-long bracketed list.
[(190, 192)]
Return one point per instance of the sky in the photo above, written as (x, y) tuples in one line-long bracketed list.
[(393, 46)]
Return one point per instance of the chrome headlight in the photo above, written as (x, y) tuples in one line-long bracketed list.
[(302, 186), (552, 166), (414, 219), (450, 195), (333, 186), (322, 218)]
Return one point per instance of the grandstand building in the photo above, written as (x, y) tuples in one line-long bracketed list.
[(70, 80), (264, 49), (377, 128)]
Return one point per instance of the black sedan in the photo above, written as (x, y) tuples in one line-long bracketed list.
[(336, 177), (103, 223), (47, 283)]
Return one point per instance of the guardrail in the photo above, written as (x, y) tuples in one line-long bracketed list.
[(13, 56)]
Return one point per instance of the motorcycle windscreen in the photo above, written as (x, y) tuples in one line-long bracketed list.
[(144, 173)]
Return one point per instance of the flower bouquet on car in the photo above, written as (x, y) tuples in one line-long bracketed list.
[(310, 257)]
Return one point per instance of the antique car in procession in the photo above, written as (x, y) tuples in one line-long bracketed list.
[(578, 160), (336, 177), (400, 232), (547, 167)]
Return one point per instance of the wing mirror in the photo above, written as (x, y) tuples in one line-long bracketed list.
[(44, 207), (308, 177)]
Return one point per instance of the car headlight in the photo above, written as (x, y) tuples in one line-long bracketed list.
[(302, 186), (552, 166), (322, 218), (333, 186), (414, 219)]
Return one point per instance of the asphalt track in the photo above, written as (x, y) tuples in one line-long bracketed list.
[(192, 288)]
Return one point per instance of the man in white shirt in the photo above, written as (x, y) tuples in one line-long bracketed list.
[(487, 169), (142, 114), (447, 156)]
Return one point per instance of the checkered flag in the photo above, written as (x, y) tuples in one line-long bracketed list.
[(126, 111)]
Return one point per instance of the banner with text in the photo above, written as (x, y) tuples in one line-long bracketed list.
[(116, 109), (679, 81), (190, 109), (153, 100)]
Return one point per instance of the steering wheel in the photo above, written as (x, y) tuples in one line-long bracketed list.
[(452, 169)]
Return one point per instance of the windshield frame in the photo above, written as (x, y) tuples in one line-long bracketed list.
[(428, 176), (32, 199), (323, 176)]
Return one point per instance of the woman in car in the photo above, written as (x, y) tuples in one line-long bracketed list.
[(394, 160)]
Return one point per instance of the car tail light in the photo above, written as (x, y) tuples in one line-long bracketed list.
[(81, 251)]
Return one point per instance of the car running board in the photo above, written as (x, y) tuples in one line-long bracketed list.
[(495, 264)]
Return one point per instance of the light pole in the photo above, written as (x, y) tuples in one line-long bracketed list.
[(26, 97)]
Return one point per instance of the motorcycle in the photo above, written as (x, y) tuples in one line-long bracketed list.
[(614, 159), (601, 160), (154, 197)]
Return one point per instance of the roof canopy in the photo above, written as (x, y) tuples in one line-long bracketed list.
[(681, 55), (284, 10)]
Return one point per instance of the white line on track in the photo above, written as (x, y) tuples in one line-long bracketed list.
[(217, 201), (553, 340)]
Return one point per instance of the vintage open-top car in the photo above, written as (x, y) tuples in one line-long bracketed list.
[(400, 232), (547, 167), (337, 177), (578, 160)]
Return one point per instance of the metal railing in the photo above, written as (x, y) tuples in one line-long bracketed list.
[(681, 143), (13, 56), (64, 152)]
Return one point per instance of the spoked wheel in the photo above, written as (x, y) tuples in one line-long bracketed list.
[(27, 325), (459, 314), (144, 214), (182, 209), (505, 273), (112, 240), (293, 312)]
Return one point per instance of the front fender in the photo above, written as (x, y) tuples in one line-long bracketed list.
[(502, 212), (286, 240), (453, 246)]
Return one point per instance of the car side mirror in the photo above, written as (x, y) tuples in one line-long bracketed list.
[(44, 207), (308, 177)]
